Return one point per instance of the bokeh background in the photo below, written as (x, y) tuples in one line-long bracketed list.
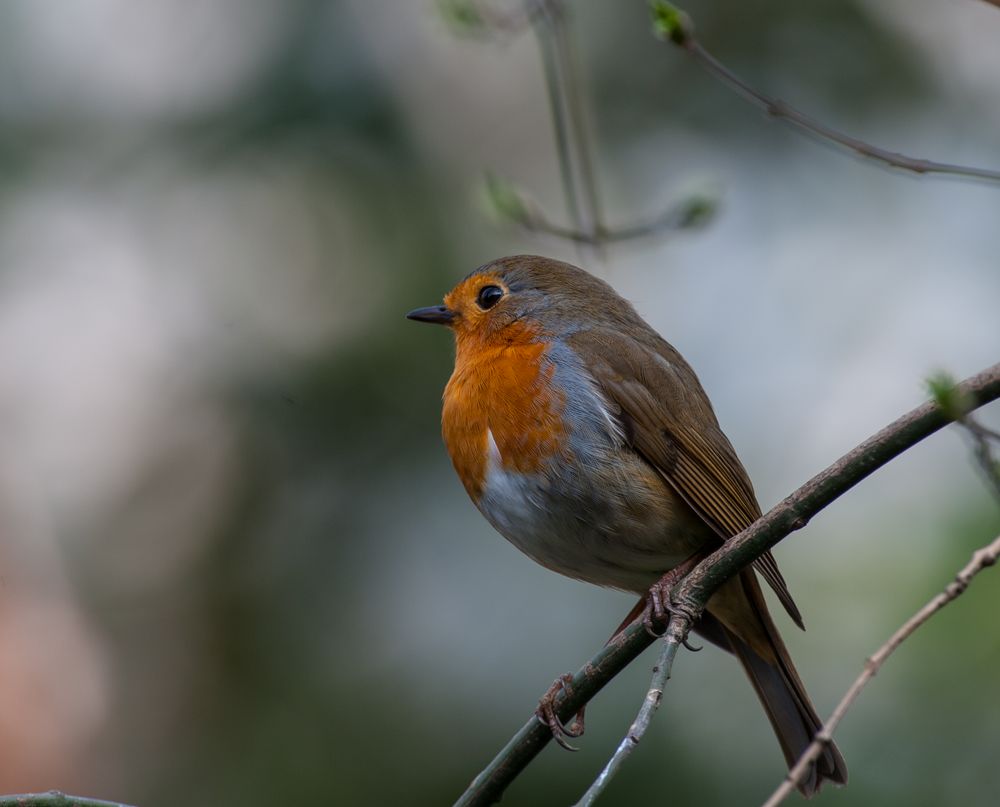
[(235, 564)]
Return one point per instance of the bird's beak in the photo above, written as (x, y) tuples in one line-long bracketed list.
[(440, 314)]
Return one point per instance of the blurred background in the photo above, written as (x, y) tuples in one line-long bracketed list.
[(235, 564)]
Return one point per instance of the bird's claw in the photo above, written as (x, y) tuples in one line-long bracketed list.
[(658, 605), (546, 712)]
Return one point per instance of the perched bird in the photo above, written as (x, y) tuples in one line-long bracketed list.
[(588, 442)]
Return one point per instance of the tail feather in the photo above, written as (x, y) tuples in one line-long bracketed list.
[(780, 690), (793, 717)]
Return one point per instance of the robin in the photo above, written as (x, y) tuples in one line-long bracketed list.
[(588, 442)]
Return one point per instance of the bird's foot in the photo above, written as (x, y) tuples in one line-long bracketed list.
[(658, 607), (546, 712)]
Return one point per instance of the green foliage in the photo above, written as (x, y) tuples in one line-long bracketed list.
[(463, 16), (669, 22), (698, 210), (943, 390), (503, 199)]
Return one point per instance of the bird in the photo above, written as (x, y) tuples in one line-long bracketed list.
[(587, 441)]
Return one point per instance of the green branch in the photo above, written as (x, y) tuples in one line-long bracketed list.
[(691, 594)]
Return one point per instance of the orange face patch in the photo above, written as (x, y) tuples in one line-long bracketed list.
[(501, 385), (472, 321)]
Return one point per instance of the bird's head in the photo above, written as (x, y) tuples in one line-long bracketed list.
[(526, 297)]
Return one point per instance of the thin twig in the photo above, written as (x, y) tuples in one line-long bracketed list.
[(983, 451), (569, 123), (661, 674), (685, 214), (947, 395), (674, 25), (691, 594), (981, 558), (544, 28), (484, 20), (54, 798), (560, 68), (573, 98), (577, 173)]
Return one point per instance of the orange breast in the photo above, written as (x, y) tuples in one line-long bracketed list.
[(504, 389)]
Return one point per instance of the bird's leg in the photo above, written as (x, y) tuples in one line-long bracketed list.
[(546, 712), (658, 600), (654, 607)]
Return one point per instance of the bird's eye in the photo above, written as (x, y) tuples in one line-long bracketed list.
[(489, 296)]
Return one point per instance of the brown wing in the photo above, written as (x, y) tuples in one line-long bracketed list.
[(668, 419)]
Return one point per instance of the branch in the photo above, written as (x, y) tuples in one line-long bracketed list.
[(691, 594), (509, 202), (988, 464), (956, 406), (478, 19), (54, 799), (548, 18), (981, 558), (569, 123), (670, 23), (943, 390), (795, 511), (661, 674)]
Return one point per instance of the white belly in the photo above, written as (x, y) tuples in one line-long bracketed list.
[(611, 522)]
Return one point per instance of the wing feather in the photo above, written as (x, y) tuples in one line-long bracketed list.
[(668, 420)]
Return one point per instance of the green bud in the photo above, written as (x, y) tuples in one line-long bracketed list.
[(948, 396), (698, 210), (504, 199), (462, 15), (669, 22)]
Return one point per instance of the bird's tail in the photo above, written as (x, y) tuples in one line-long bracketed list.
[(780, 691)]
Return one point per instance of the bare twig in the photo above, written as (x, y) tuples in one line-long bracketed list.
[(573, 146), (484, 20), (673, 24), (981, 558), (661, 674), (983, 451), (947, 395), (548, 18), (509, 202), (576, 163), (690, 595), (54, 799)]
